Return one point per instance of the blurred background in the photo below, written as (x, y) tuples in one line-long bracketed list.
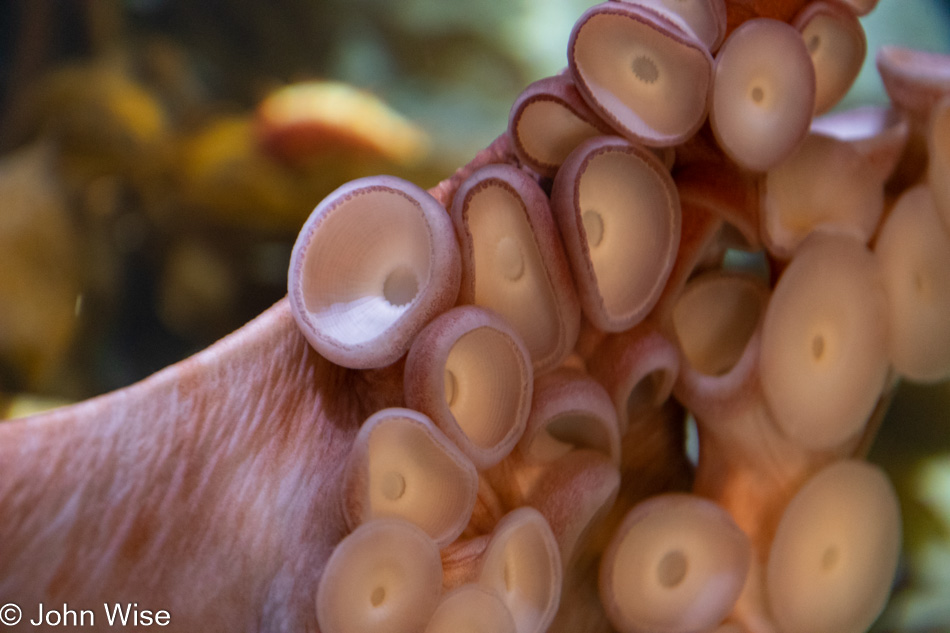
[(157, 158)]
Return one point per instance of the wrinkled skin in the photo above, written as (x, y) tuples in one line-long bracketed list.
[(212, 488), (209, 489)]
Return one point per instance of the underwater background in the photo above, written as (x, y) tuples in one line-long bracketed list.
[(147, 208)]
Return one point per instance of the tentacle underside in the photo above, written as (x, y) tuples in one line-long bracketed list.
[(664, 278), (206, 490)]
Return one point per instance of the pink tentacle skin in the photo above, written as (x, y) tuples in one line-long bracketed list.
[(208, 490), (212, 496)]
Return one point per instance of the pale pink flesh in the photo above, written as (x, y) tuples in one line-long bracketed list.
[(471, 374), (763, 93), (211, 489), (825, 184), (570, 410), (862, 7), (618, 211), (677, 563), (876, 132), (837, 45), (401, 465), (513, 261), (373, 263), (621, 55), (638, 369), (705, 18), (914, 80), (548, 119), (289, 454), (199, 486), (748, 466)]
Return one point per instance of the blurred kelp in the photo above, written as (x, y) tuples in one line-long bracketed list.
[(39, 280), (167, 152)]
